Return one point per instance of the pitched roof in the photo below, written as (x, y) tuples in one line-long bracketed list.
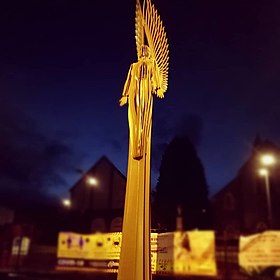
[(259, 146), (92, 169)]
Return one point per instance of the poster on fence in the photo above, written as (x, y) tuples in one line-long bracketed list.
[(100, 250), (184, 253), (260, 253)]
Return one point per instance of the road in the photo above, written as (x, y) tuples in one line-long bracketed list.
[(5, 275)]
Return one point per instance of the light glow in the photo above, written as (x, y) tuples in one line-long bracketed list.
[(263, 172), (92, 181), (66, 202), (268, 159)]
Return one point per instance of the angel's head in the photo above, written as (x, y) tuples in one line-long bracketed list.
[(145, 51)]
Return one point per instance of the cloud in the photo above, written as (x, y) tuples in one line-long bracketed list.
[(31, 165)]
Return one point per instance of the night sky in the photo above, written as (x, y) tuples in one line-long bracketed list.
[(63, 65)]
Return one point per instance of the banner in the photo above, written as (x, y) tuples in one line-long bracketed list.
[(260, 253), (183, 253), (186, 253), (100, 251)]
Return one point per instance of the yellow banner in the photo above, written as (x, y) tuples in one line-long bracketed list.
[(102, 246), (183, 253), (186, 253)]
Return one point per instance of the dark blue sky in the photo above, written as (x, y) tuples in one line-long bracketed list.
[(63, 65)]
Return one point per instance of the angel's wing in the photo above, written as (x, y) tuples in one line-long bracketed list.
[(139, 29), (157, 42)]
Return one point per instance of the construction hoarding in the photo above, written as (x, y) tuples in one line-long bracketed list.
[(183, 253)]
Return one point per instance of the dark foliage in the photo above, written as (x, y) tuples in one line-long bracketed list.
[(181, 183)]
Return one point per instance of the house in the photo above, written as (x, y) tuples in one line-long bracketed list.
[(97, 199), (244, 204)]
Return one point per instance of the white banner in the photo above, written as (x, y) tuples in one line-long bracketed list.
[(261, 249)]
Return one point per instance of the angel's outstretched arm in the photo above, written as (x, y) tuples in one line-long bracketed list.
[(126, 87)]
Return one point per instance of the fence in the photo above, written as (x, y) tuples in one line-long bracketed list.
[(44, 259)]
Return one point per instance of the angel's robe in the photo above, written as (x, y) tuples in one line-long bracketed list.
[(142, 81)]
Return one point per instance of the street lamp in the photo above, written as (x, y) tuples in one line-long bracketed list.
[(265, 173), (92, 181), (66, 202), (267, 160)]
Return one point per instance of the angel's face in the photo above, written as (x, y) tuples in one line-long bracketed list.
[(146, 52)]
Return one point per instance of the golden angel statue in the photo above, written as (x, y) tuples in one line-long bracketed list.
[(148, 76)]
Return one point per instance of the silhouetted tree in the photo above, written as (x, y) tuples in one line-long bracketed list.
[(181, 185)]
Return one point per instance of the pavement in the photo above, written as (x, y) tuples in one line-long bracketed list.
[(39, 274), (75, 275)]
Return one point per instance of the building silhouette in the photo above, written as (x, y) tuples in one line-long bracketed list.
[(241, 207), (98, 206)]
